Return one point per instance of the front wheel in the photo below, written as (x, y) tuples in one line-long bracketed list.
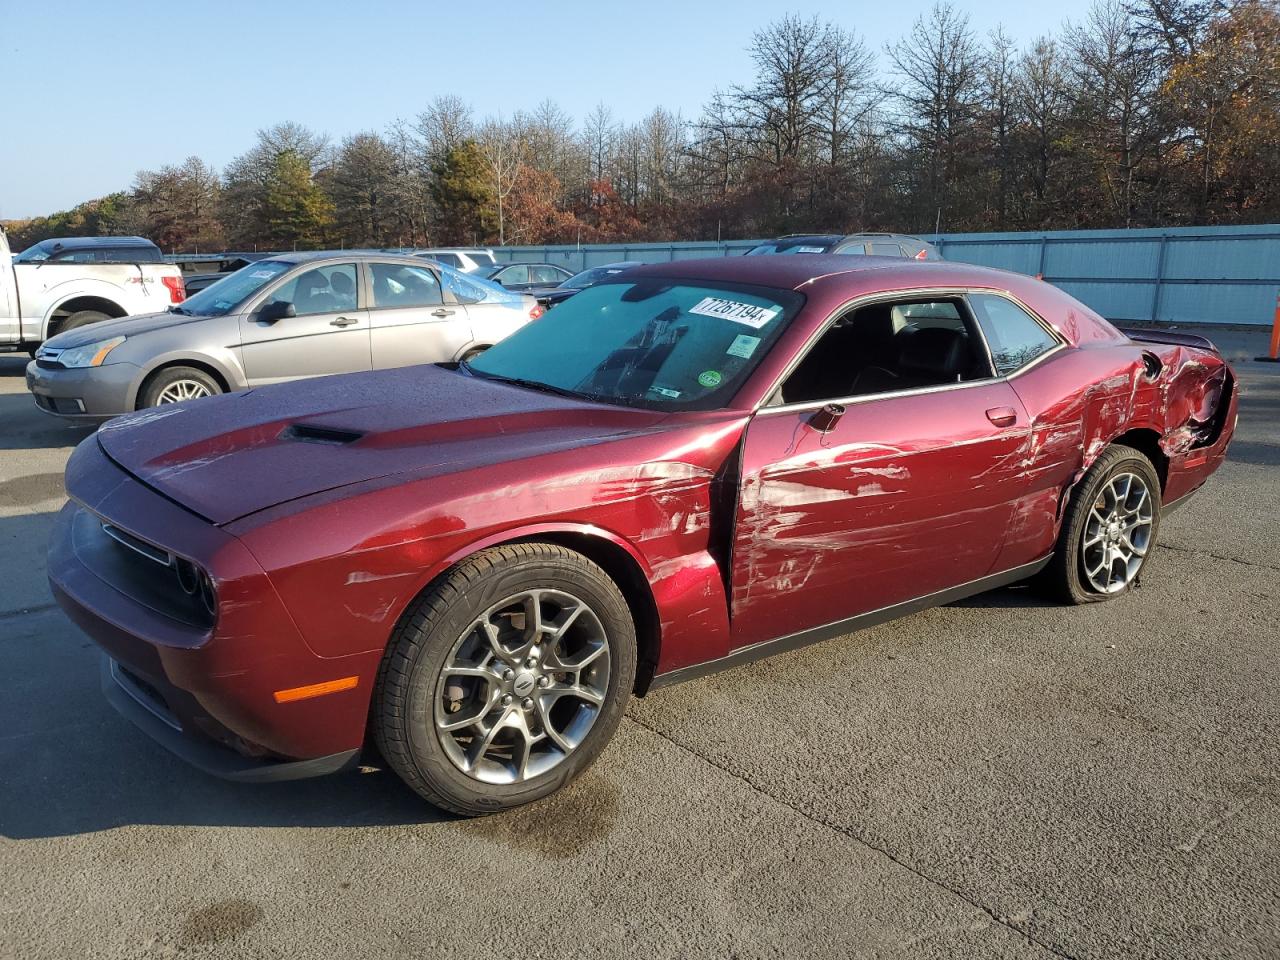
[(1109, 530), (175, 384), (506, 679)]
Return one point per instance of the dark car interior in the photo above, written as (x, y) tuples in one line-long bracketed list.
[(885, 347)]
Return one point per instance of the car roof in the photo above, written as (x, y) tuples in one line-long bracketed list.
[(83, 243), (791, 273)]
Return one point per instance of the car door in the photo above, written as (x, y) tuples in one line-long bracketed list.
[(514, 277), (882, 492), (410, 322), (329, 332)]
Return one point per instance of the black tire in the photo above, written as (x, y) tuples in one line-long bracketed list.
[(82, 318), (404, 707), (473, 353), (1065, 578), (154, 388)]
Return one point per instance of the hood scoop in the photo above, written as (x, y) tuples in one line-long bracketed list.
[(312, 433)]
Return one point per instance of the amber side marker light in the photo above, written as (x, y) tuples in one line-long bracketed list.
[(315, 690)]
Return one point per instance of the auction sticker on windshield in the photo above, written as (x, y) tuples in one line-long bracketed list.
[(735, 310), (743, 346)]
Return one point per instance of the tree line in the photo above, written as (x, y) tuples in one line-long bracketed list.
[(1151, 113)]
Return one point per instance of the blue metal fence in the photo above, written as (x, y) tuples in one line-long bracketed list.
[(1187, 275)]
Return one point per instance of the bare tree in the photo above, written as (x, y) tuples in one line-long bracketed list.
[(502, 151), (936, 99)]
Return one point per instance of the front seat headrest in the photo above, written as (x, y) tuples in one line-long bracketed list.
[(936, 352)]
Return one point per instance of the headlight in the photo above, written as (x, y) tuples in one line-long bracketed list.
[(91, 354)]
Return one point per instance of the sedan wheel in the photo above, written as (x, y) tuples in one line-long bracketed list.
[(176, 384), (506, 678), (180, 390)]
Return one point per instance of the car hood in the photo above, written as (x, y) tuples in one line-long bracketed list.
[(123, 327), (229, 456)]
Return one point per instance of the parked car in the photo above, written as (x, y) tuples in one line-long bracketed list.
[(466, 259), (92, 250), (65, 284), (288, 317), (199, 274), (682, 468), (531, 278), (587, 278), (869, 244)]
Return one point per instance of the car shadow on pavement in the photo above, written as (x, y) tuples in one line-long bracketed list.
[(69, 764), (1018, 595), (26, 428)]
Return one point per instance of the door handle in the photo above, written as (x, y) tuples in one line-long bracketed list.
[(343, 322), (1003, 416), (442, 312)]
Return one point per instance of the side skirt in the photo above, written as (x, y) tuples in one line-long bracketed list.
[(767, 648)]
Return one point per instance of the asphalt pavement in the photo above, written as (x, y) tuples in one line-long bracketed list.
[(996, 778)]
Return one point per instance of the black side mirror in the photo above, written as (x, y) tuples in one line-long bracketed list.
[(277, 310)]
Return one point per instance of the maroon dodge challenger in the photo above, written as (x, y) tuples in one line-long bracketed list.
[(472, 567)]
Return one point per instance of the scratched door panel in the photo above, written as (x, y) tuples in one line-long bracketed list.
[(903, 497)]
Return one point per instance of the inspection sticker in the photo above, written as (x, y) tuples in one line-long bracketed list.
[(709, 378), (262, 274), (735, 310), (743, 346)]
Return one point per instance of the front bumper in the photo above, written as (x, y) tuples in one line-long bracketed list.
[(146, 708), (89, 394), (204, 688)]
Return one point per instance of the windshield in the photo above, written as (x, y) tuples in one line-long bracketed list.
[(789, 246), (654, 343), (483, 260), (32, 255), (589, 278), (226, 294)]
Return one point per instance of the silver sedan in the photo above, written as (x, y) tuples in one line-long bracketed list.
[(292, 316)]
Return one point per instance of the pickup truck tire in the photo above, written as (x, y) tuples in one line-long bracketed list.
[(173, 384), (81, 318)]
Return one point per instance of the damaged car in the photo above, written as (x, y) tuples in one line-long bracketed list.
[(467, 569)]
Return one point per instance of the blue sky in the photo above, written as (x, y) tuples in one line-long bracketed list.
[(95, 91)]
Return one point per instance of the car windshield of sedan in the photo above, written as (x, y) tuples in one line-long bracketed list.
[(589, 278), (223, 296), (656, 343)]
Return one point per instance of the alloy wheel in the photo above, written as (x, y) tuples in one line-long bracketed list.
[(523, 686), (183, 390), (1117, 533)]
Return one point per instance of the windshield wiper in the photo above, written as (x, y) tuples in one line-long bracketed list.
[(535, 385)]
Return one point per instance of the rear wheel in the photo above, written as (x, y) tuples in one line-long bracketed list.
[(175, 384), (1109, 530), (506, 679)]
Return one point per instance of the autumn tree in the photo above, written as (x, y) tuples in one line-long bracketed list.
[(177, 206)]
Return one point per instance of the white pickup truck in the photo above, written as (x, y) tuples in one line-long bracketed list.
[(62, 284)]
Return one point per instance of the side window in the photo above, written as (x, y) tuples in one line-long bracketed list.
[(886, 250), (400, 285), (545, 275), (75, 256), (320, 290), (1014, 336), (516, 273), (465, 290), (448, 259), (887, 347)]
